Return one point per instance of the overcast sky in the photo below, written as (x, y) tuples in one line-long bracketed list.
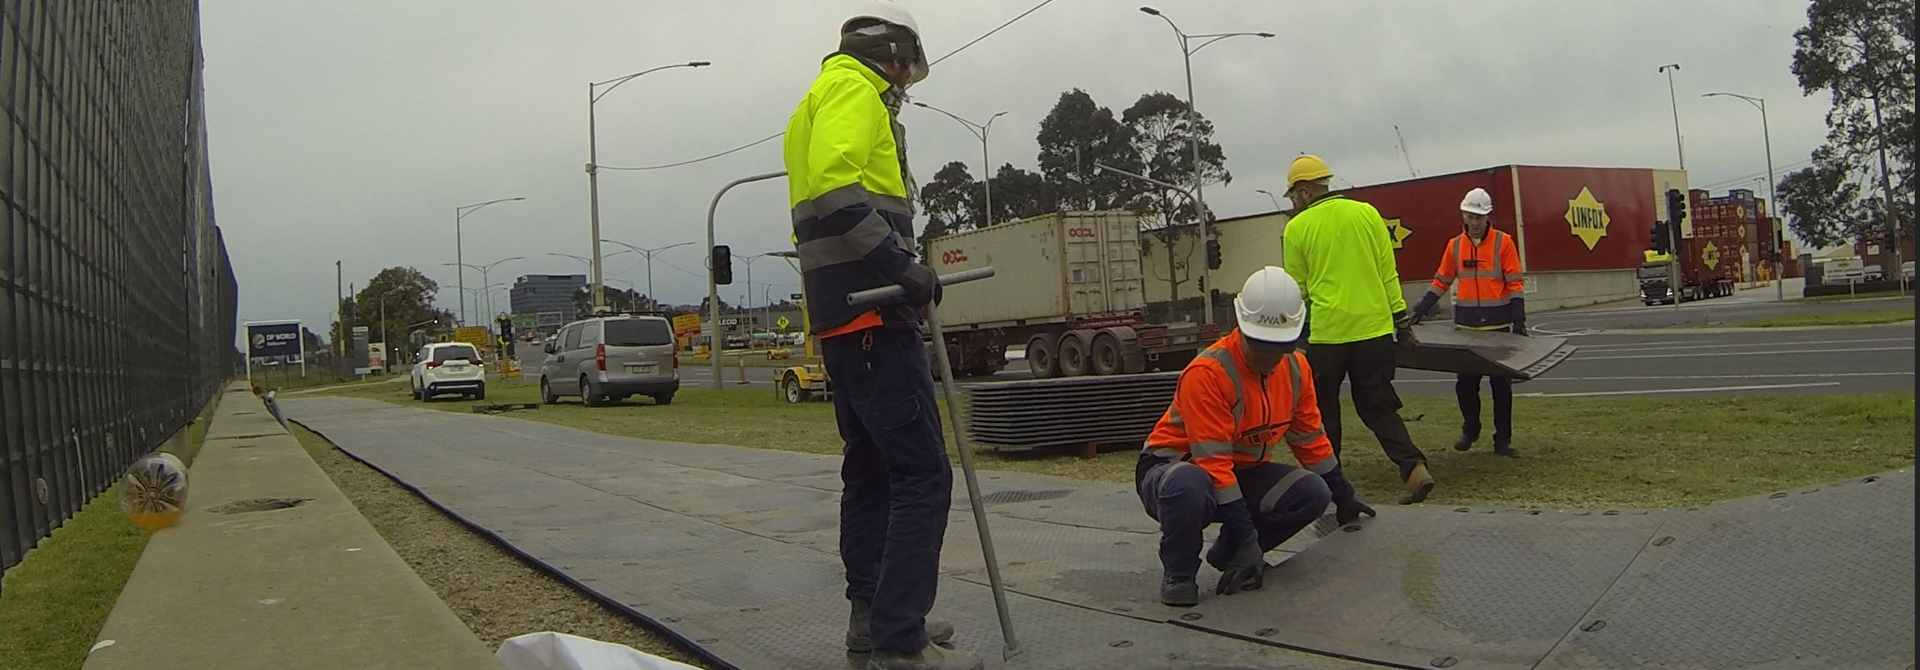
[(350, 129)]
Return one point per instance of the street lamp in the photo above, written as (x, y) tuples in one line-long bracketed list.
[(1766, 136), (583, 259), (1187, 49), (651, 302), (593, 166), (1673, 263), (459, 257), (1276, 201), (484, 269), (986, 164)]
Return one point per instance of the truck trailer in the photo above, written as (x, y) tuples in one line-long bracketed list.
[(1069, 288), (1709, 266)]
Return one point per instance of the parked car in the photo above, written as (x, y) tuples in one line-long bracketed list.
[(448, 367), (607, 359)]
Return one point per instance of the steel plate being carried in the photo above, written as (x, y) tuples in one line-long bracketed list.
[(1444, 348)]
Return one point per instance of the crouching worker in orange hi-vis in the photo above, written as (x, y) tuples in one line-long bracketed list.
[(1209, 459)]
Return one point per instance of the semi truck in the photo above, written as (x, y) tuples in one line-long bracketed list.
[(1709, 266), (1069, 289)]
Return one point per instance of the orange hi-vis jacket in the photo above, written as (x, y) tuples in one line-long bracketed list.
[(1227, 415), (1489, 275)]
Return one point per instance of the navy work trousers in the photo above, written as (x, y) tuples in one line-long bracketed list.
[(1283, 499), (897, 482), (1467, 390)]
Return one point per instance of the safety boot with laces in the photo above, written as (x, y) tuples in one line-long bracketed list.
[(1177, 591), (859, 636), (930, 657)]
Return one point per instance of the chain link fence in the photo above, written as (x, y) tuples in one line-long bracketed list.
[(117, 301)]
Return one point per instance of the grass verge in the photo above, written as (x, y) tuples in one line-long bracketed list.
[(1576, 452), (58, 598), (1861, 318), (495, 593)]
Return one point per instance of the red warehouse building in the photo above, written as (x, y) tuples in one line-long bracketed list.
[(1583, 232)]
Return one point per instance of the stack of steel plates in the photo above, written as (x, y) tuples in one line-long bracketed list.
[(1075, 411)]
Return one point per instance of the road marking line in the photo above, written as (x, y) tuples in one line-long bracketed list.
[(1796, 375), (1609, 348), (1701, 389), (1787, 352)]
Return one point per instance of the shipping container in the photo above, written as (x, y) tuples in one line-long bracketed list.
[(1068, 287)]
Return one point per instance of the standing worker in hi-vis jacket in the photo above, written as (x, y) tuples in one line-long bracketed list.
[(852, 199), (1483, 267)]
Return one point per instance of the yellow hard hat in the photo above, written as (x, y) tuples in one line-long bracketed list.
[(1306, 168)]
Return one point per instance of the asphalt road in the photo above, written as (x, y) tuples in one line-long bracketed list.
[(1653, 351)]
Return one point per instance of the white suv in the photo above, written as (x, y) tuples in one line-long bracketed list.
[(448, 367)]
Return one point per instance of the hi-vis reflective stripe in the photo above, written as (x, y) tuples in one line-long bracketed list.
[(1205, 449), (1225, 360), (1297, 439)]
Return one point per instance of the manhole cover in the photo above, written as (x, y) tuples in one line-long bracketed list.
[(258, 505)]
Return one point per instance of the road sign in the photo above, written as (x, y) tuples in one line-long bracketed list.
[(783, 323), (522, 321), (474, 335), (686, 324)]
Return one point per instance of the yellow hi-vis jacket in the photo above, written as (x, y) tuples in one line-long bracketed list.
[(852, 219), (1340, 252)]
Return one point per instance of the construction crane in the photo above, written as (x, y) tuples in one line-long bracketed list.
[(1403, 150)]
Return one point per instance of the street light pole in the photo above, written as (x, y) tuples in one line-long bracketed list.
[(1674, 283), (986, 163), (1780, 282), (714, 340), (459, 254), (484, 269), (652, 302), (593, 167), (1269, 194), (1193, 133)]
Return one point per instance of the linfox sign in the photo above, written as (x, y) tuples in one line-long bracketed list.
[(1587, 217)]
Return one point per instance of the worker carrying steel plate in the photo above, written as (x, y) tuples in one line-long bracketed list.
[(1210, 457), (1340, 252), (852, 199), (1483, 266)]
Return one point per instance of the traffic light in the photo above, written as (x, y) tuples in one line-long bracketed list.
[(721, 265), (1676, 207), (1213, 254), (1658, 236)]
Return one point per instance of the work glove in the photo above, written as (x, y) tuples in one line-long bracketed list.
[(1245, 571), (1346, 504), (923, 287), (1519, 306), (1403, 335), (1421, 310)]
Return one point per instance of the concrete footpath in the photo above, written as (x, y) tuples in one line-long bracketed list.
[(244, 581)]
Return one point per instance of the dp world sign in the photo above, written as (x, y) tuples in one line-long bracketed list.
[(273, 338)]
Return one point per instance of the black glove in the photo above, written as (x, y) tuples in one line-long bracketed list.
[(1245, 571), (1519, 307), (922, 285), (1346, 504), (1420, 311)]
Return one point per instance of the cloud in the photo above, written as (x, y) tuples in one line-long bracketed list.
[(351, 130)]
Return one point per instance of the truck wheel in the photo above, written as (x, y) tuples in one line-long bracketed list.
[(1075, 357), (1106, 355), (1041, 358)]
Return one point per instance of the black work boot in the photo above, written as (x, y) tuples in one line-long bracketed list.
[(1179, 591), (860, 640), (1504, 448), (1464, 443), (930, 657)]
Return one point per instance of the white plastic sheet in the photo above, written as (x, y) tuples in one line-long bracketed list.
[(560, 651)]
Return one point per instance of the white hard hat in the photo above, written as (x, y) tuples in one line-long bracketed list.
[(1477, 202), (892, 13), (1270, 308)]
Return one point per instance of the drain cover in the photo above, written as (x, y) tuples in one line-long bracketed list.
[(258, 505)]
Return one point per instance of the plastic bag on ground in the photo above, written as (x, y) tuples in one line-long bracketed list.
[(154, 491), (560, 651)]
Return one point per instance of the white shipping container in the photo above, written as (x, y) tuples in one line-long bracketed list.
[(1050, 268)]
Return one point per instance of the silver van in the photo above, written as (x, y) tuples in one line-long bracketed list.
[(608, 359)]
